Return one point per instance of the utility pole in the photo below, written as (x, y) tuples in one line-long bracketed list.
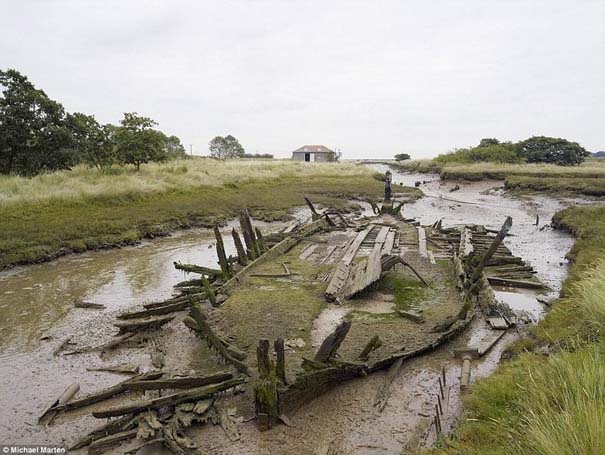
[(191, 149)]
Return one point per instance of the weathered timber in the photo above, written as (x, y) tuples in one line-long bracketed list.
[(192, 268), (260, 240), (365, 273), (107, 393), (222, 256), (422, 242), (114, 426), (280, 362), (380, 401), (50, 413), (411, 315), (209, 291), (308, 250), (313, 384), (242, 257), (100, 445), (228, 425), (332, 342), (143, 324), (122, 368), (160, 310), (117, 341), (170, 400), (213, 340), (89, 305), (186, 382), (281, 248), (314, 213), (499, 281), (374, 343), (492, 249), (266, 395)]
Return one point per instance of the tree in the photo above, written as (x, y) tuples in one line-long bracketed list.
[(488, 141), (226, 147), (137, 142), (92, 141), (542, 149), (402, 157), (174, 148), (34, 135)]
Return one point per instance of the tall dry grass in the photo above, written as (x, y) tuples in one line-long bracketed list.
[(83, 182)]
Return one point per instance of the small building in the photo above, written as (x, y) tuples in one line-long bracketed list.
[(319, 153)]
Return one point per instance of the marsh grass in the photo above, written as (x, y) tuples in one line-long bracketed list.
[(61, 213), (83, 182)]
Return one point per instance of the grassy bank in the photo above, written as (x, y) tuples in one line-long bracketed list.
[(56, 214), (587, 178), (536, 404)]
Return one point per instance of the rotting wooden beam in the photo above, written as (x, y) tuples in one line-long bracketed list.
[(213, 340), (133, 325), (170, 400), (242, 257), (492, 249), (222, 257), (192, 268), (186, 382), (332, 342)]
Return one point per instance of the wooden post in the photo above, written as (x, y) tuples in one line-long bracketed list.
[(242, 257), (260, 240), (374, 343), (252, 234), (246, 233), (266, 396), (220, 251), (332, 342), (492, 249), (209, 291), (314, 214), (388, 178), (280, 364)]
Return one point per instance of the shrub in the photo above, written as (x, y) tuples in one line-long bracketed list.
[(542, 149)]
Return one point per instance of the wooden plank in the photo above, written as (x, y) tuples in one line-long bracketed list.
[(498, 281), (422, 242), (354, 246), (431, 257), (308, 251), (389, 243), (328, 254)]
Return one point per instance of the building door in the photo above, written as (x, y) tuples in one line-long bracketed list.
[(307, 157)]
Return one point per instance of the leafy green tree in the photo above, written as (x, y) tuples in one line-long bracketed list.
[(137, 142), (542, 149), (34, 135), (174, 148), (488, 141), (226, 147), (402, 157), (93, 141)]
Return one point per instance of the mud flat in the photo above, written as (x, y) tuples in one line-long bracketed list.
[(283, 296)]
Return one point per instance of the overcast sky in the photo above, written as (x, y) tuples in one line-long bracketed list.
[(370, 78)]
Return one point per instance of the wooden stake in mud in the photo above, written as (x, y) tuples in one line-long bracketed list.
[(266, 395), (374, 343), (388, 179), (332, 342), (220, 251), (252, 233), (248, 235), (280, 364), (492, 249), (314, 214), (260, 240), (242, 257), (209, 291)]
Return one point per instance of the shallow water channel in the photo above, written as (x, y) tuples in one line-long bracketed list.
[(36, 305)]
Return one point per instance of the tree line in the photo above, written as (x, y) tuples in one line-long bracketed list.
[(37, 134), (536, 149)]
